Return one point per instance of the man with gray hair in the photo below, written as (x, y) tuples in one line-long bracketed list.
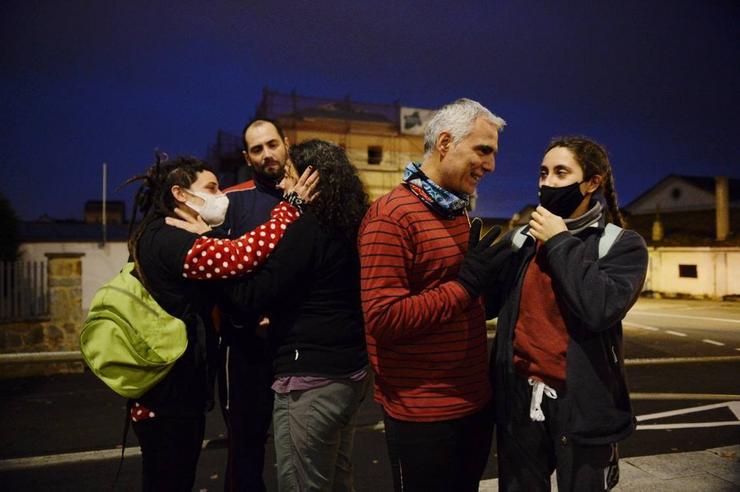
[(423, 270)]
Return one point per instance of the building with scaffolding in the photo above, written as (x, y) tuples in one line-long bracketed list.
[(380, 139)]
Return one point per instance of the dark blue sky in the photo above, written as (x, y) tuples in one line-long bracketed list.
[(81, 82)]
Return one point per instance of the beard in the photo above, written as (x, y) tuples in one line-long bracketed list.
[(271, 169)]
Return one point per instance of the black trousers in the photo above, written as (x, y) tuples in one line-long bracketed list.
[(529, 452), (246, 403), (170, 447), (439, 456)]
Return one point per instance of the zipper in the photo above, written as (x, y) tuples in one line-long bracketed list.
[(614, 354)]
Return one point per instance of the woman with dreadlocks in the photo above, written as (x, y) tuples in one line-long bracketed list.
[(558, 366), (172, 260)]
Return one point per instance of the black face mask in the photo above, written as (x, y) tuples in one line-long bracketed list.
[(561, 201)]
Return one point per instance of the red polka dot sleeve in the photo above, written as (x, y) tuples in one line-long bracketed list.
[(213, 258)]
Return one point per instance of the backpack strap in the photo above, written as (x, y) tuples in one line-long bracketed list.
[(126, 424), (610, 236), (518, 239)]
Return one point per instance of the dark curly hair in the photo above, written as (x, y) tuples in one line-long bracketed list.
[(153, 199), (593, 159), (342, 200)]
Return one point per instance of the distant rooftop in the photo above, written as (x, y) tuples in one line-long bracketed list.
[(704, 183), (275, 105)]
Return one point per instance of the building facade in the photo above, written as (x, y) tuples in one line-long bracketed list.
[(380, 139)]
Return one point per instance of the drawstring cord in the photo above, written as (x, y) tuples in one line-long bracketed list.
[(535, 405)]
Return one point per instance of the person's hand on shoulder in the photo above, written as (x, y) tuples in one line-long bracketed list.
[(187, 222)]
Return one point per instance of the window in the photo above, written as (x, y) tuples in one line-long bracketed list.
[(374, 154), (687, 271), (676, 193)]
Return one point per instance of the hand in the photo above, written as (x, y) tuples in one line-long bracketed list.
[(482, 261), (545, 224), (187, 222), (305, 186)]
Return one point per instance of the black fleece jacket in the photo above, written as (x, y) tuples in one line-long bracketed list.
[(596, 294), (310, 289)]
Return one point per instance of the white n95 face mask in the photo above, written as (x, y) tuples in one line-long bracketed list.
[(213, 210)]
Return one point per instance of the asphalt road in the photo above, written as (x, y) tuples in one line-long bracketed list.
[(62, 432)]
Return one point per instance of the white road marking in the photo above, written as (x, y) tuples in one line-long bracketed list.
[(681, 411), (712, 342), (638, 325), (677, 333), (65, 458), (688, 396), (680, 360), (733, 406), (694, 425), (682, 316), (69, 458)]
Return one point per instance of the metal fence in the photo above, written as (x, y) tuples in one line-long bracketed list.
[(24, 291)]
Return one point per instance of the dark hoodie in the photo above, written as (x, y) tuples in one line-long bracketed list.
[(595, 295)]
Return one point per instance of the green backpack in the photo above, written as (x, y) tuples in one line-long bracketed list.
[(128, 340)]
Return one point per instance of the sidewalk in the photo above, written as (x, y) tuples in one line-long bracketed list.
[(711, 470)]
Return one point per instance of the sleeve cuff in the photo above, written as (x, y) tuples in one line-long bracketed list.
[(557, 240)]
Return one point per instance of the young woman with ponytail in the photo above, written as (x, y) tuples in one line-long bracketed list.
[(180, 200), (557, 366)]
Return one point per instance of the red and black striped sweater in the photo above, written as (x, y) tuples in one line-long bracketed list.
[(426, 338)]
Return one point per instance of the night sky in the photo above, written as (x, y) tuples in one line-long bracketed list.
[(86, 82)]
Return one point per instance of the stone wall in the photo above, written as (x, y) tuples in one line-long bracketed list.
[(59, 332)]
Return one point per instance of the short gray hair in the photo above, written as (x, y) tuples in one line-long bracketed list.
[(457, 118)]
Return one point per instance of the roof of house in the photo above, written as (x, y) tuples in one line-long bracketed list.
[(338, 111), (706, 183)]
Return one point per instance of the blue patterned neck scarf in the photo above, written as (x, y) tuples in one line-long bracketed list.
[(444, 202)]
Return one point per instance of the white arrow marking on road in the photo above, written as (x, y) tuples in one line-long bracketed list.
[(712, 342), (677, 333), (681, 360), (682, 316), (684, 396), (733, 406), (695, 425), (682, 411), (638, 325)]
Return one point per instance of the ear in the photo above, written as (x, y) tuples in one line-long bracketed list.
[(594, 183), (246, 158), (286, 142), (179, 193), (443, 143)]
